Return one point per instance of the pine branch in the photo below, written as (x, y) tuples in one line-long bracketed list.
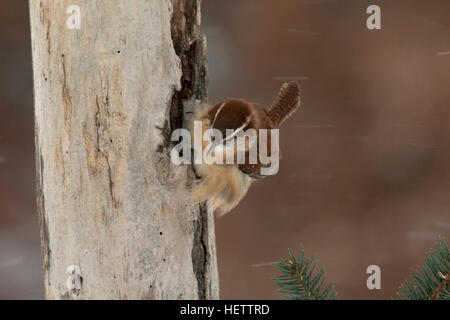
[(431, 282), (298, 280)]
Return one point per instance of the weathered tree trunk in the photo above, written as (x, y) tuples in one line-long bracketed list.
[(107, 97)]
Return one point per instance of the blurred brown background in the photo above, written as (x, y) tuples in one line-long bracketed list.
[(365, 172)]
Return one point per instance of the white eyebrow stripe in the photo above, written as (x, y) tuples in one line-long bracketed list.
[(217, 113), (241, 128), (215, 145)]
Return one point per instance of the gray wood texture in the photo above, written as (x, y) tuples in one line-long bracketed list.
[(107, 97)]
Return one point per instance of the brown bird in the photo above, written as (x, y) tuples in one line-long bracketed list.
[(223, 185)]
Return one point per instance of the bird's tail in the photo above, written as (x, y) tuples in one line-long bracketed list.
[(287, 102)]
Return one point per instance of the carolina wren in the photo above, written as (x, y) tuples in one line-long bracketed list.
[(223, 185)]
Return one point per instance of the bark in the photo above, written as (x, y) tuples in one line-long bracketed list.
[(107, 96)]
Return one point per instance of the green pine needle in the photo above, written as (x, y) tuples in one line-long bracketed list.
[(431, 282), (299, 281)]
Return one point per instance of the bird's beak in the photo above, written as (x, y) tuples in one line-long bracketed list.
[(212, 146)]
